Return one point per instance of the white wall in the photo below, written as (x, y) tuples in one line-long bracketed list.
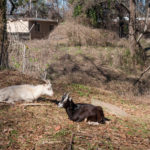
[(18, 26)]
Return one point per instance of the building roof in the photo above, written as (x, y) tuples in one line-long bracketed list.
[(44, 20), (31, 19)]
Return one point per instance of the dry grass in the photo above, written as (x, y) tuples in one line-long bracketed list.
[(48, 127), (75, 34), (105, 63), (78, 69), (108, 67)]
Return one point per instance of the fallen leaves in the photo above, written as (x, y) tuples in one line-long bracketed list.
[(57, 128)]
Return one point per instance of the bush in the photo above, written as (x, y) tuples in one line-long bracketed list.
[(71, 33)]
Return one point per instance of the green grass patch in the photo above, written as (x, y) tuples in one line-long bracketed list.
[(82, 90)]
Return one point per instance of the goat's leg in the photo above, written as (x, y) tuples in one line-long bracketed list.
[(9, 100), (77, 118), (92, 120), (93, 123), (29, 100)]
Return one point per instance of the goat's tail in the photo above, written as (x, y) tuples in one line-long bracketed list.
[(103, 121)]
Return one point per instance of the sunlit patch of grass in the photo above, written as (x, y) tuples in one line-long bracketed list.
[(143, 129), (63, 48), (82, 90), (136, 128), (37, 124)]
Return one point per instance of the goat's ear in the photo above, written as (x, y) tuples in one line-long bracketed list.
[(43, 75), (64, 95), (48, 81), (67, 94)]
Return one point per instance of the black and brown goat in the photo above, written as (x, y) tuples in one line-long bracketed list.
[(82, 112)]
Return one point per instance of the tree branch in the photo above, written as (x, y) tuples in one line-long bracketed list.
[(34, 104), (145, 27), (147, 69), (71, 142), (123, 5), (13, 7)]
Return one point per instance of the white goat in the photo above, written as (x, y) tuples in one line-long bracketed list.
[(25, 92)]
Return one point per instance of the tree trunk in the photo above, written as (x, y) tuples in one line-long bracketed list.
[(3, 36), (132, 21)]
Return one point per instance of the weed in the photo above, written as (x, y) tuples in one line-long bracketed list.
[(115, 128), (13, 137), (90, 146), (108, 144), (13, 58), (17, 65), (131, 132), (62, 132), (34, 49), (82, 90), (30, 59), (79, 50), (63, 48), (47, 65)]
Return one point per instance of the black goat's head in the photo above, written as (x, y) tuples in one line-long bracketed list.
[(65, 99)]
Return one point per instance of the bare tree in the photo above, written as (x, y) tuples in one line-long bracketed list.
[(136, 50), (132, 21), (3, 36)]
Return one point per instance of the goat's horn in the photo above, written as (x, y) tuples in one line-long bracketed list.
[(65, 93)]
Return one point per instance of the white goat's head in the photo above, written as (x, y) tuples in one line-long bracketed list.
[(47, 88)]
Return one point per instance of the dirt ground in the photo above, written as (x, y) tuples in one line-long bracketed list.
[(48, 127)]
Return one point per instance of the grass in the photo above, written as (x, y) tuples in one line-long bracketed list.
[(82, 90), (62, 133), (37, 126), (22, 128), (13, 137)]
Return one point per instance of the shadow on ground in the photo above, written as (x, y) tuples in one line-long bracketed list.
[(85, 70)]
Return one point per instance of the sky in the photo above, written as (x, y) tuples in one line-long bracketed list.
[(143, 2)]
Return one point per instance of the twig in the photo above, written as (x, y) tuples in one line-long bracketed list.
[(147, 69), (71, 142), (24, 59), (34, 104), (82, 134)]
